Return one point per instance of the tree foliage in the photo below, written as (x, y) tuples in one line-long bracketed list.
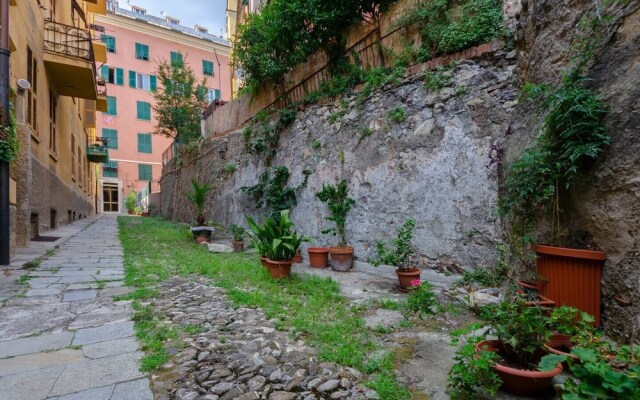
[(287, 32), (8, 136), (179, 102)]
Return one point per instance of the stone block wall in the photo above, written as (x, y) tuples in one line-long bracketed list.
[(432, 167)]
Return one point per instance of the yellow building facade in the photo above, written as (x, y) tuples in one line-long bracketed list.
[(54, 50)]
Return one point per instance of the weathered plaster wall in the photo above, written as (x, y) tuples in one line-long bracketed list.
[(606, 204), (431, 167)]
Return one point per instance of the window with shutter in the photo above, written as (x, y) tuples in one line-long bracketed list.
[(207, 67), (119, 76), (32, 92), (142, 52), (112, 106), (144, 172), (176, 58), (144, 110), (144, 143), (112, 137), (132, 79), (110, 43)]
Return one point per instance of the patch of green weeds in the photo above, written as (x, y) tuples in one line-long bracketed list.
[(24, 280), (439, 78), (388, 304), (229, 168), (316, 144), (153, 336), (365, 132), (398, 114), (33, 264), (193, 329)]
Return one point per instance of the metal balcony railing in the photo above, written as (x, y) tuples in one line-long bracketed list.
[(69, 41), (98, 151)]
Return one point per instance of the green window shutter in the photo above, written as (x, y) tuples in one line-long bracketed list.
[(144, 110), (176, 58), (119, 76), (110, 169), (218, 95), (144, 172), (110, 43), (144, 143), (153, 83), (142, 52), (104, 72), (132, 79), (207, 67), (112, 136), (112, 105)]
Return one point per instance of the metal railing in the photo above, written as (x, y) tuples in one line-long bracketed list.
[(101, 87), (69, 41), (169, 153)]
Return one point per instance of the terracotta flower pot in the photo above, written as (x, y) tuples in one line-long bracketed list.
[(238, 246), (318, 257), (297, 259), (405, 277), (561, 345), (263, 261), (341, 258), (571, 277), (519, 381), (279, 268), (541, 302)]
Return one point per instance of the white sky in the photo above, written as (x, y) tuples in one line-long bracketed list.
[(207, 13)]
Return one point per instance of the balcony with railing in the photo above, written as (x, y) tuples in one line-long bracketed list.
[(68, 56), (101, 87), (98, 151)]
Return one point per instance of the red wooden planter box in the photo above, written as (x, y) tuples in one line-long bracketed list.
[(571, 277)]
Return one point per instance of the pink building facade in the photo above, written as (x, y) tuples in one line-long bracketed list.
[(136, 42)]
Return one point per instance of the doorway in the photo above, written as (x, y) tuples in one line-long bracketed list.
[(111, 198)]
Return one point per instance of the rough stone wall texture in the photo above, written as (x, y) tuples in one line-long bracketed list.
[(20, 171), (48, 192), (430, 167), (606, 203)]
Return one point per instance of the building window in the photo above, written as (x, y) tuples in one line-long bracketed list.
[(207, 67), (144, 172), (173, 21), (112, 75), (110, 42), (32, 93), (112, 106), (176, 58), (138, 10), (143, 81), (142, 52), (112, 137), (110, 169), (53, 115), (144, 143), (144, 110), (213, 94), (73, 157)]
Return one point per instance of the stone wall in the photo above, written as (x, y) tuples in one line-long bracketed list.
[(432, 167), (606, 203)]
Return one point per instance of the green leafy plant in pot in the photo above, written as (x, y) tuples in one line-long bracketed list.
[(131, 202), (339, 203), (399, 253), (276, 243), (198, 196), (237, 232), (521, 333)]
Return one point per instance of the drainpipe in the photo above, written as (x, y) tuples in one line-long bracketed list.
[(4, 102)]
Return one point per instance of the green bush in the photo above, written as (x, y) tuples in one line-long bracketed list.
[(337, 199)]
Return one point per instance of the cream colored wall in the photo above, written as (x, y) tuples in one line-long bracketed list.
[(27, 29)]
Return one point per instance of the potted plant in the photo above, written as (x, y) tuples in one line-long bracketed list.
[(318, 257), (278, 243), (398, 253), (512, 358), (198, 196), (237, 232), (337, 199), (297, 259), (131, 202)]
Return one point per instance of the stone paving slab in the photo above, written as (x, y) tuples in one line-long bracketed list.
[(103, 333), (17, 347), (64, 337), (97, 373)]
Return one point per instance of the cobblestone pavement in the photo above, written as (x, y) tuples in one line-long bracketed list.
[(62, 336)]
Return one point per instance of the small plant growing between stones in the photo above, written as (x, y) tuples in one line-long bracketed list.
[(337, 199), (439, 79), (398, 114), (422, 299), (237, 232), (316, 144), (341, 156), (365, 132), (230, 168)]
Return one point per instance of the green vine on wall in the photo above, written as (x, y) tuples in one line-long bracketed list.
[(8, 136), (573, 137), (273, 192), (263, 134)]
